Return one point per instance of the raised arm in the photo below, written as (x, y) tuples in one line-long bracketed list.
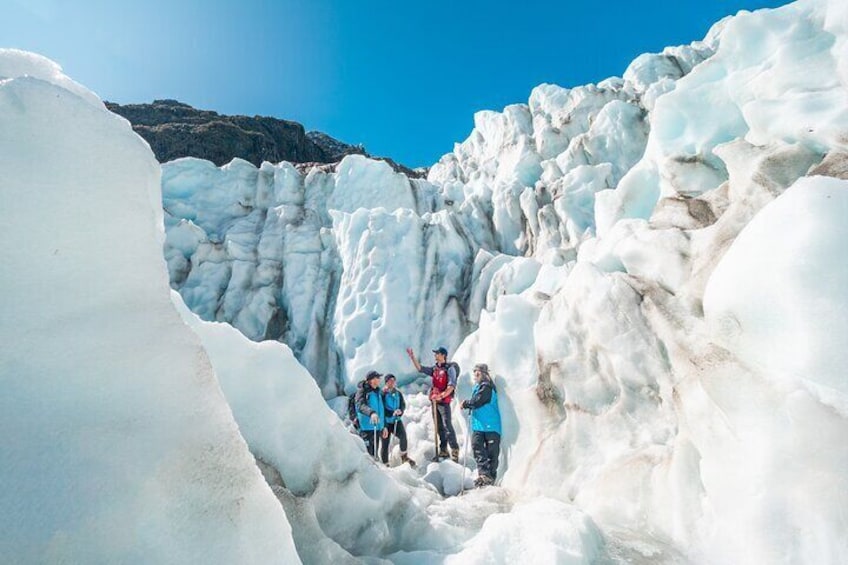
[(413, 359)]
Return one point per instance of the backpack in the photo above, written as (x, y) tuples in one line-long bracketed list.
[(351, 408)]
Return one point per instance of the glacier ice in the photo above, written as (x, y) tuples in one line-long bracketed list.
[(651, 267), (569, 242), (118, 444)]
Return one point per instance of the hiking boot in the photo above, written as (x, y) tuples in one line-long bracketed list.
[(439, 456), (478, 482), (404, 458), (485, 481), (455, 455)]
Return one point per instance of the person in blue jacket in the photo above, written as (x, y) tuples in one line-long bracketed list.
[(395, 405), (371, 412), (485, 425)]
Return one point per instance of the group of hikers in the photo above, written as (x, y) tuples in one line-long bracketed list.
[(378, 414)]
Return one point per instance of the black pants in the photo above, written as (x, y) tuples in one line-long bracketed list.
[(370, 443), (487, 449), (447, 436), (397, 429)]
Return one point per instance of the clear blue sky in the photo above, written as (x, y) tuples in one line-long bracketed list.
[(403, 78)]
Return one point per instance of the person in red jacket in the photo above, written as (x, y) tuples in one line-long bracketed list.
[(444, 375)]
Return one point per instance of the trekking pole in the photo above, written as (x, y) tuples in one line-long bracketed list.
[(392, 433), (376, 450), (465, 457), (435, 429)]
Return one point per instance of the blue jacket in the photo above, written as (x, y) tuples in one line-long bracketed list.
[(368, 401), (393, 401), (485, 416)]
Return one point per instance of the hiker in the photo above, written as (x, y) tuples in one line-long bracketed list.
[(370, 410), (395, 405), (485, 424), (444, 377)]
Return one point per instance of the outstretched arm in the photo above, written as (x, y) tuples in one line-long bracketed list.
[(413, 359)]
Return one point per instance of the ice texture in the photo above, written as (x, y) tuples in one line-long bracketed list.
[(656, 369), (118, 444), (651, 266)]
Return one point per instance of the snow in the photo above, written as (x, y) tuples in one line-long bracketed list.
[(119, 446), (757, 299), (15, 63), (323, 470), (385, 259), (774, 77), (539, 531)]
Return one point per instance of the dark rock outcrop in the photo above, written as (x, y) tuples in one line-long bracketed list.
[(174, 129), (334, 149)]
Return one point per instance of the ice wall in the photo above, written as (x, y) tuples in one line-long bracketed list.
[(280, 253), (340, 503), (351, 264), (708, 418), (118, 445), (592, 246)]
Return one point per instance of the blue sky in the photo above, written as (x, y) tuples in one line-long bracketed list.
[(403, 78)]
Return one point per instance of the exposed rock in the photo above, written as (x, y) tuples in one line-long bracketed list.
[(174, 129), (334, 149), (835, 164)]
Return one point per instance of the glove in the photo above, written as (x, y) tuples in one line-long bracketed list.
[(464, 404), (375, 418)]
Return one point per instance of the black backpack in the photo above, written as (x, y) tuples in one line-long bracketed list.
[(351, 406)]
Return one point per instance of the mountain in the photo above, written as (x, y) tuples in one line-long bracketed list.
[(651, 266), (174, 129)]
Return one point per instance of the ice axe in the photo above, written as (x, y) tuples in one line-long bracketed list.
[(465, 456), (435, 428)]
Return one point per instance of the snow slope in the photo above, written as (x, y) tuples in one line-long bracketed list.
[(118, 445)]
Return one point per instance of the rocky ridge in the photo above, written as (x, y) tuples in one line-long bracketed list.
[(175, 129)]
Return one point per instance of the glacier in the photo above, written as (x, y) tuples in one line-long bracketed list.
[(652, 267), (118, 443)]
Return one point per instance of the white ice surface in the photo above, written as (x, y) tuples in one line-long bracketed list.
[(118, 444), (663, 382)]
